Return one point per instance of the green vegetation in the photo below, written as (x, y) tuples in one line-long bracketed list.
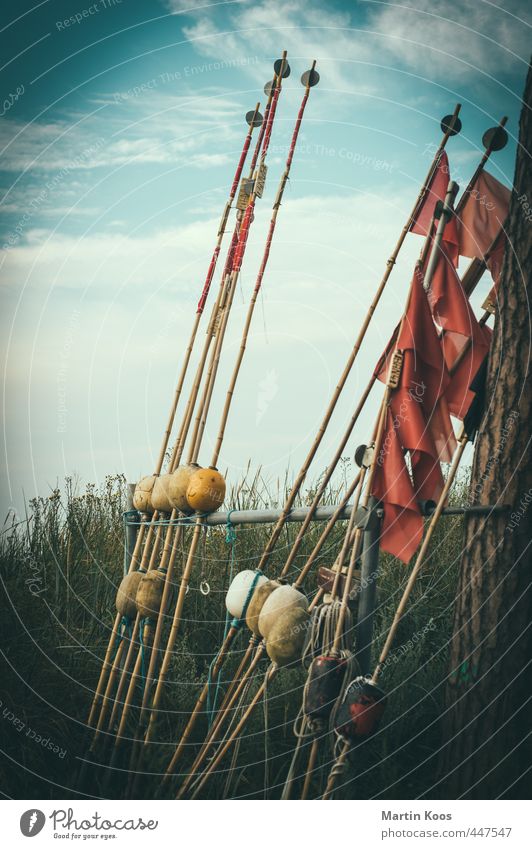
[(60, 568)]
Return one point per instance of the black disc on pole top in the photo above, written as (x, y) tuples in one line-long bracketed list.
[(359, 455), (277, 67), (495, 138), (268, 88), (253, 118), (310, 78), (448, 122)]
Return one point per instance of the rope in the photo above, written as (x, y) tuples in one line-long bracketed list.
[(125, 627), (237, 622), (320, 635), (230, 532), (287, 787), (237, 713), (143, 647), (230, 538)]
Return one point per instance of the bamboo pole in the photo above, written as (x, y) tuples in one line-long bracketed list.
[(166, 435), (214, 732), (226, 409), (188, 352), (488, 150), (337, 769), (353, 355), (302, 474), (461, 203), (202, 413), (271, 674), (262, 269), (429, 253), (421, 556), (471, 277), (339, 763), (326, 478), (431, 266), (168, 775), (169, 555), (232, 736), (352, 538), (204, 405), (357, 536), (310, 768)]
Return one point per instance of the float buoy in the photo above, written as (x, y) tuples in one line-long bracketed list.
[(149, 594), (361, 709), (126, 594), (178, 485), (282, 599), (159, 496), (258, 599), (287, 635), (239, 590), (324, 685), (142, 494), (206, 490)]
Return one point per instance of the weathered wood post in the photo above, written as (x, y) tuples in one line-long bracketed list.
[(131, 520), (369, 569)]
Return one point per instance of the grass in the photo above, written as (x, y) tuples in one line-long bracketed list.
[(60, 569)]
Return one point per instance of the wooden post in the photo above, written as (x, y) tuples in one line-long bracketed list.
[(368, 588), (131, 528)]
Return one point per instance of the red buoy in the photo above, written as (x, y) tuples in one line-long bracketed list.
[(361, 709)]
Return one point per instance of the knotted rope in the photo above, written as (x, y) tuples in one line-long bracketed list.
[(230, 538)]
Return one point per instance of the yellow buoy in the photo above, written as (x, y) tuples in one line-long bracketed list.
[(258, 599), (287, 636), (142, 495), (178, 485), (149, 594), (160, 496), (206, 490), (126, 594), (282, 599)]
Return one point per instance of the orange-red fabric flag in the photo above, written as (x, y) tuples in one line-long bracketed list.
[(402, 526), (464, 340), (420, 422), (482, 215)]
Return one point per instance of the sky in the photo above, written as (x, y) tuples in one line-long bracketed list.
[(120, 125)]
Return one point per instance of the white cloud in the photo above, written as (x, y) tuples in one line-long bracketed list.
[(139, 129), (451, 39), (134, 298), (443, 41)]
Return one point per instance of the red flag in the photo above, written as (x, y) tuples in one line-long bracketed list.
[(461, 331), (436, 191), (482, 215), (424, 379), (420, 422), (402, 526)]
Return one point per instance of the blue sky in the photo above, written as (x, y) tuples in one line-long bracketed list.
[(120, 130)]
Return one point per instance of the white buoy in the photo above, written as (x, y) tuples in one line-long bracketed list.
[(239, 590)]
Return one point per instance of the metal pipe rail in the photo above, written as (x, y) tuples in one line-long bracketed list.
[(323, 514)]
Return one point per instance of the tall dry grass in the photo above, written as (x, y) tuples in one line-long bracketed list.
[(60, 569)]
